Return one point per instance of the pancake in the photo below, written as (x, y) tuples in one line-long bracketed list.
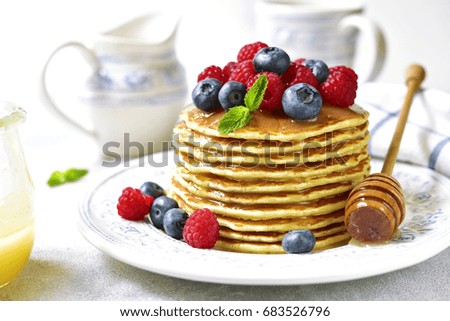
[(306, 195), (322, 243), (272, 237), (275, 172), (184, 136), (315, 154), (272, 176), (277, 126), (266, 211), (274, 225), (211, 181)]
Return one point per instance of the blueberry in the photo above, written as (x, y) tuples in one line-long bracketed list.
[(152, 189), (319, 69), (206, 94), (298, 241), (160, 207), (272, 59), (232, 94), (301, 101), (174, 222)]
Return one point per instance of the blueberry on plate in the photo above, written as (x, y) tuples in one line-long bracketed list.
[(301, 101), (152, 189), (232, 94), (160, 207), (298, 241), (272, 59), (206, 94), (174, 222), (318, 68)]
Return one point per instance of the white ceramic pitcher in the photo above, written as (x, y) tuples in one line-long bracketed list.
[(330, 30), (136, 89)]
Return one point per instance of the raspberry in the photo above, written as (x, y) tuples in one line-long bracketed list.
[(212, 72), (249, 51), (133, 205), (228, 69), (345, 69), (289, 75), (201, 229), (303, 75), (148, 200), (340, 88), (243, 72), (299, 61), (274, 91)]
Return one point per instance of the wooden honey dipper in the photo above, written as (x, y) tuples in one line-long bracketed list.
[(376, 206)]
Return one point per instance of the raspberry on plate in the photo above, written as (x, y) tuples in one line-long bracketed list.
[(212, 72), (243, 71), (274, 91), (133, 205), (249, 51), (201, 229), (340, 88), (148, 200)]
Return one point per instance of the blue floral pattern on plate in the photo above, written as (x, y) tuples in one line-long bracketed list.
[(424, 233)]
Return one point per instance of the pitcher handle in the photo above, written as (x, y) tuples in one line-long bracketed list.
[(372, 44), (91, 59)]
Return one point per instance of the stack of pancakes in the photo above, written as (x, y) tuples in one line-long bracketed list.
[(272, 176)]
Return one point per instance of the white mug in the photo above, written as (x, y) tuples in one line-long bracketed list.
[(323, 29), (136, 88)]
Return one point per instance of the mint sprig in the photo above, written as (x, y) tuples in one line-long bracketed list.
[(255, 94), (71, 175), (235, 118), (239, 116)]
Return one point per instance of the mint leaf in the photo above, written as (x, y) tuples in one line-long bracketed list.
[(71, 175), (235, 118), (74, 174), (238, 117), (57, 178), (255, 94)]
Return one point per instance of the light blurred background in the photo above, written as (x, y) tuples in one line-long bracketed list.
[(211, 32)]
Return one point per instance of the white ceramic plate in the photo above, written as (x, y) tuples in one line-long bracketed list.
[(424, 233)]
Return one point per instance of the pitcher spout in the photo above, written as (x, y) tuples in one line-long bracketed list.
[(153, 29)]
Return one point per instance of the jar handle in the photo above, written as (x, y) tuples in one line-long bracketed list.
[(372, 44), (91, 59)]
